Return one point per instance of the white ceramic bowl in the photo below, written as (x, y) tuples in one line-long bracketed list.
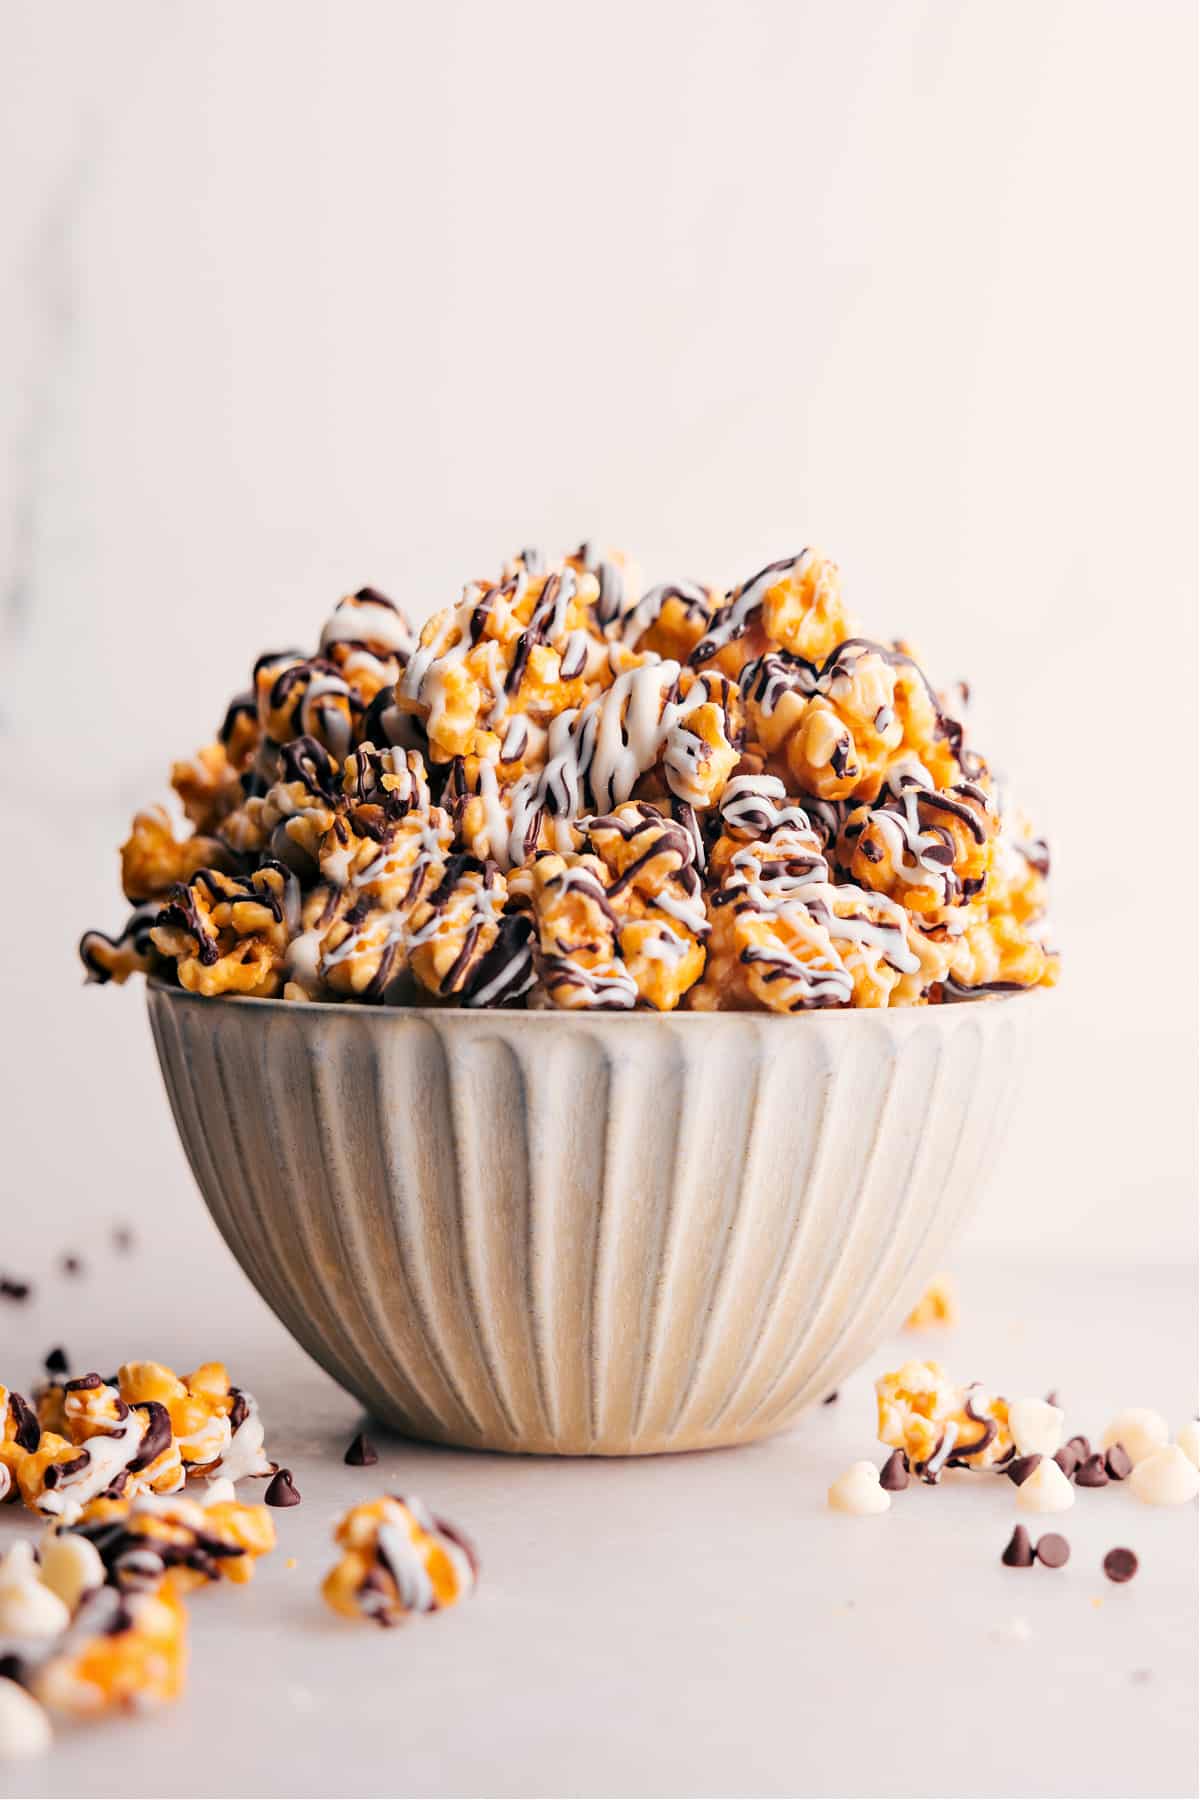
[(597, 1235)]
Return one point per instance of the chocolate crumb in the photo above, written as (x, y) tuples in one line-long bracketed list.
[(1053, 1550), (1022, 1467), (14, 1290), (1092, 1473), (1018, 1552), (830, 1398), (57, 1361), (1067, 1461), (362, 1453), (894, 1474), (1118, 1462), (282, 1490), (71, 1264), (1120, 1565)]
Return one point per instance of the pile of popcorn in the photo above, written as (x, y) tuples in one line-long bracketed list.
[(566, 794)]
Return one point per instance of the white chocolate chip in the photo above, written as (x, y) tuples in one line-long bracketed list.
[(71, 1566), (1188, 1440), (1166, 1478), (1138, 1430), (27, 1609), (1036, 1426), (24, 1727), (858, 1491), (1046, 1490)]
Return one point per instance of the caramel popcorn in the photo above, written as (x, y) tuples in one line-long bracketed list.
[(398, 1558), (407, 818), (938, 1305), (937, 1423), (141, 1541)]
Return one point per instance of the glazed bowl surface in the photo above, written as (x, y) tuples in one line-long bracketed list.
[(583, 1234)]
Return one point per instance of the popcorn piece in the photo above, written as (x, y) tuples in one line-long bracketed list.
[(131, 952), (120, 1651), (1046, 1490), (228, 933), (934, 1422), (397, 1559), (1139, 1431), (1188, 1439), (463, 944), (153, 860), (24, 1728), (795, 604), (141, 1541), (859, 1491), (1036, 1426), (1165, 1477), (70, 1566), (938, 1305)]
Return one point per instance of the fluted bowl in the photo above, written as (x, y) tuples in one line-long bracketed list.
[(587, 1234)]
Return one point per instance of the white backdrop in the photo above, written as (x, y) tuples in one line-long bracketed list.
[(296, 297)]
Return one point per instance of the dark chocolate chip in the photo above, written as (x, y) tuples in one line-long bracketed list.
[(830, 1398), (123, 1238), (1052, 1397), (1022, 1467), (57, 1362), (362, 1453), (1120, 1565), (1053, 1550), (1067, 1461), (1092, 1473), (894, 1474), (1118, 1462), (282, 1490), (71, 1265), (1081, 1446), (1018, 1552), (14, 1290)]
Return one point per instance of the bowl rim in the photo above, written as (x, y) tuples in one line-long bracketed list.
[(898, 1016)]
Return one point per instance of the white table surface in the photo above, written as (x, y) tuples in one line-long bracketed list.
[(696, 1625)]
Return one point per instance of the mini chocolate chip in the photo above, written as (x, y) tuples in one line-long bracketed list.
[(894, 1474), (282, 1490), (14, 1290), (57, 1362), (362, 1453), (1120, 1565), (830, 1398), (70, 1264), (123, 1238), (1053, 1550), (1052, 1397), (1092, 1473), (1118, 1462), (1067, 1461), (1021, 1467), (1018, 1552), (1080, 1445)]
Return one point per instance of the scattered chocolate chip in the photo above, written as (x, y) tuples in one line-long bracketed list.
[(1052, 1397), (1067, 1461), (1092, 1473), (1053, 1550), (1120, 1565), (830, 1398), (1140, 1677), (1018, 1552), (362, 1453), (1022, 1467), (1080, 1445), (57, 1362), (14, 1290), (71, 1264), (282, 1490), (123, 1238), (894, 1474), (1118, 1462)]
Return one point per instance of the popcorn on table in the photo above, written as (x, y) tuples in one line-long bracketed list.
[(565, 793), (398, 1558)]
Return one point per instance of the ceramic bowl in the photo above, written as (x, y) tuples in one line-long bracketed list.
[(588, 1235)]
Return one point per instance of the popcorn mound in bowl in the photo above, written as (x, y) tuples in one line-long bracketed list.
[(561, 795)]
